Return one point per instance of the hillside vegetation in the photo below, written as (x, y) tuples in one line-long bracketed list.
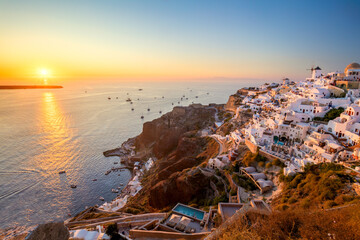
[(320, 186), (296, 224)]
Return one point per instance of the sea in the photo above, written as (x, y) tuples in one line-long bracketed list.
[(43, 132)]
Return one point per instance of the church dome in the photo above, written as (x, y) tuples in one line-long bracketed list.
[(353, 65)]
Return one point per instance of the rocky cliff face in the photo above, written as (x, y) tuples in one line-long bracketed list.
[(50, 231), (162, 135), (233, 103), (174, 140), (179, 187)]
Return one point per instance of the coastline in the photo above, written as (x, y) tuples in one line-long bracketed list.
[(14, 87)]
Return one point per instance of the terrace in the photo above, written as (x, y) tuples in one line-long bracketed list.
[(185, 219), (227, 210)]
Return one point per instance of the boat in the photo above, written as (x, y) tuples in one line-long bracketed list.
[(94, 180), (62, 172), (115, 162), (69, 214), (121, 184), (196, 96), (160, 111), (132, 109), (148, 109), (73, 186), (101, 198), (114, 190), (178, 102), (163, 97), (107, 172), (172, 103), (109, 98), (140, 89), (128, 100), (207, 93), (142, 117), (131, 102), (119, 187)]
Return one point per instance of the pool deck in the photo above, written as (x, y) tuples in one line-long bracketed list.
[(185, 206), (195, 223)]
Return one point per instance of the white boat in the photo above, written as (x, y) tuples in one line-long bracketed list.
[(114, 190), (101, 198)]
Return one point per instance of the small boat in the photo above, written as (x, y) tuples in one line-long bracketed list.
[(207, 93), (148, 109), (107, 172), (109, 98), (128, 100), (101, 198), (178, 102), (62, 172), (142, 117), (119, 187), (121, 184), (115, 162), (114, 190), (94, 180), (73, 186), (172, 103), (138, 99), (127, 93), (183, 95), (69, 214), (131, 102), (196, 96), (140, 89), (162, 96), (118, 174), (132, 109), (160, 111)]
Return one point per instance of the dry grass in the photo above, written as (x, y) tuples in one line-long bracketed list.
[(297, 224)]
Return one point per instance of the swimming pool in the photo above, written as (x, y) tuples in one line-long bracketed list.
[(188, 211)]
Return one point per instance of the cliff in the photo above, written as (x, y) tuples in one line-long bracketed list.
[(175, 140), (162, 135), (234, 102)]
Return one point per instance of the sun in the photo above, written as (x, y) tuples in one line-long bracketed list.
[(44, 72)]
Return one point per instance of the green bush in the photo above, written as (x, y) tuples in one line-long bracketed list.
[(330, 115)]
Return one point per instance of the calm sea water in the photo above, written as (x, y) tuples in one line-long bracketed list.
[(43, 132)]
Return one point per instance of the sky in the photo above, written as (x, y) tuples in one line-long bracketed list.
[(118, 40)]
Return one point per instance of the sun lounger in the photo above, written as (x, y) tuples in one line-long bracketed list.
[(171, 223), (180, 227)]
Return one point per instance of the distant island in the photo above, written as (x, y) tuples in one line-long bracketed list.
[(2, 87)]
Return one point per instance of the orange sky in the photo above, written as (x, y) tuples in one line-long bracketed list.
[(165, 40)]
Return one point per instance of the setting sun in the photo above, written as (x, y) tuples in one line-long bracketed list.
[(44, 72)]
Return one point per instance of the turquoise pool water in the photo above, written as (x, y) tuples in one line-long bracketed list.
[(189, 211)]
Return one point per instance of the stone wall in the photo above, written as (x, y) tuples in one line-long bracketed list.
[(252, 147)]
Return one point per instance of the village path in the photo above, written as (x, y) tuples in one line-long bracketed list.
[(221, 144)]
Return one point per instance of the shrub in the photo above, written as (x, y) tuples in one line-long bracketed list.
[(268, 165)]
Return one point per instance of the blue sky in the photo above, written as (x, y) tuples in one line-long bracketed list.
[(171, 39)]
